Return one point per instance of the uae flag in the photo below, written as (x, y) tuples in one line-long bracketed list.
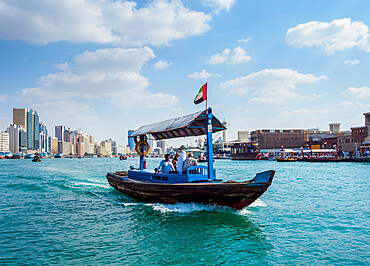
[(202, 94)]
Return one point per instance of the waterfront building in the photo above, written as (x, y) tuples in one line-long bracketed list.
[(162, 144), (20, 117), (22, 141), (80, 150), (100, 150), (123, 150), (275, 138), (334, 127), (53, 145), (13, 131), (90, 148), (59, 132), (131, 142), (32, 130), (91, 137), (367, 125), (65, 148), (4, 142), (107, 145)]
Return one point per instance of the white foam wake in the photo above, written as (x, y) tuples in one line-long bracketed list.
[(258, 203), (186, 207), (91, 184)]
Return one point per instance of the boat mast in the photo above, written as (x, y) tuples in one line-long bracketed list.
[(209, 144)]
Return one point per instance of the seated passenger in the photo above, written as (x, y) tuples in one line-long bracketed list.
[(174, 161), (190, 161), (180, 161), (166, 166)]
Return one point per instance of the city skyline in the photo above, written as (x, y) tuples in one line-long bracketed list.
[(268, 65)]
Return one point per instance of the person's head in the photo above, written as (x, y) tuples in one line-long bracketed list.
[(190, 154), (167, 157), (176, 156)]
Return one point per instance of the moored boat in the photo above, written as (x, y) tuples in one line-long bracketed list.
[(326, 159), (245, 151), (289, 159), (198, 183)]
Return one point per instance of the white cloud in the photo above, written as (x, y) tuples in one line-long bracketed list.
[(352, 62), (337, 35), (162, 65), (271, 85), (237, 56), (202, 75), (245, 39), (3, 97), (100, 21), (106, 73), (363, 92), (219, 4)]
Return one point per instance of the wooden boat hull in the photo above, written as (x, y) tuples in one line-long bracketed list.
[(287, 159), (325, 160), (233, 194), (245, 156), (36, 160)]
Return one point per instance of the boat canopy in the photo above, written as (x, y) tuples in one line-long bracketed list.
[(186, 126)]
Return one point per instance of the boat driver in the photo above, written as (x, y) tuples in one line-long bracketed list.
[(166, 166)]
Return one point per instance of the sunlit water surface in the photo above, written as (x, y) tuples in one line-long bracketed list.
[(63, 211)]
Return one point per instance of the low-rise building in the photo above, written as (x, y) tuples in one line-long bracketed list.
[(275, 138)]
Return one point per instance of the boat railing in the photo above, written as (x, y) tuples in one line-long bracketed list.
[(198, 173)]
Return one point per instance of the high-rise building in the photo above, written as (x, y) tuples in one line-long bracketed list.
[(4, 142), (59, 132), (131, 142), (162, 144), (13, 131), (20, 117), (107, 145), (22, 141), (53, 145), (32, 130)]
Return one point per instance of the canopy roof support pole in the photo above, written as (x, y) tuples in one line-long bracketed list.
[(209, 144), (141, 156)]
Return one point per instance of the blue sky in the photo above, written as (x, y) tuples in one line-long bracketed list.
[(108, 66)]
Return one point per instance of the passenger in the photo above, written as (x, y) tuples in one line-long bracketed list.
[(174, 161), (190, 161), (180, 161), (166, 166)]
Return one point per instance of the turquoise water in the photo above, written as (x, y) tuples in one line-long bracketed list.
[(63, 211)]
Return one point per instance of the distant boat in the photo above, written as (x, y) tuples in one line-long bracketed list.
[(245, 151), (8, 155), (29, 156), (59, 155), (291, 159), (326, 159)]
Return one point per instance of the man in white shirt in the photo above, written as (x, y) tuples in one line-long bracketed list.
[(180, 161), (166, 166)]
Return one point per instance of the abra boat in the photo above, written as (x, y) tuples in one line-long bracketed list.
[(199, 183), (245, 151)]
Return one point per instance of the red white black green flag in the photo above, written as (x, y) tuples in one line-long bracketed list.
[(202, 94)]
